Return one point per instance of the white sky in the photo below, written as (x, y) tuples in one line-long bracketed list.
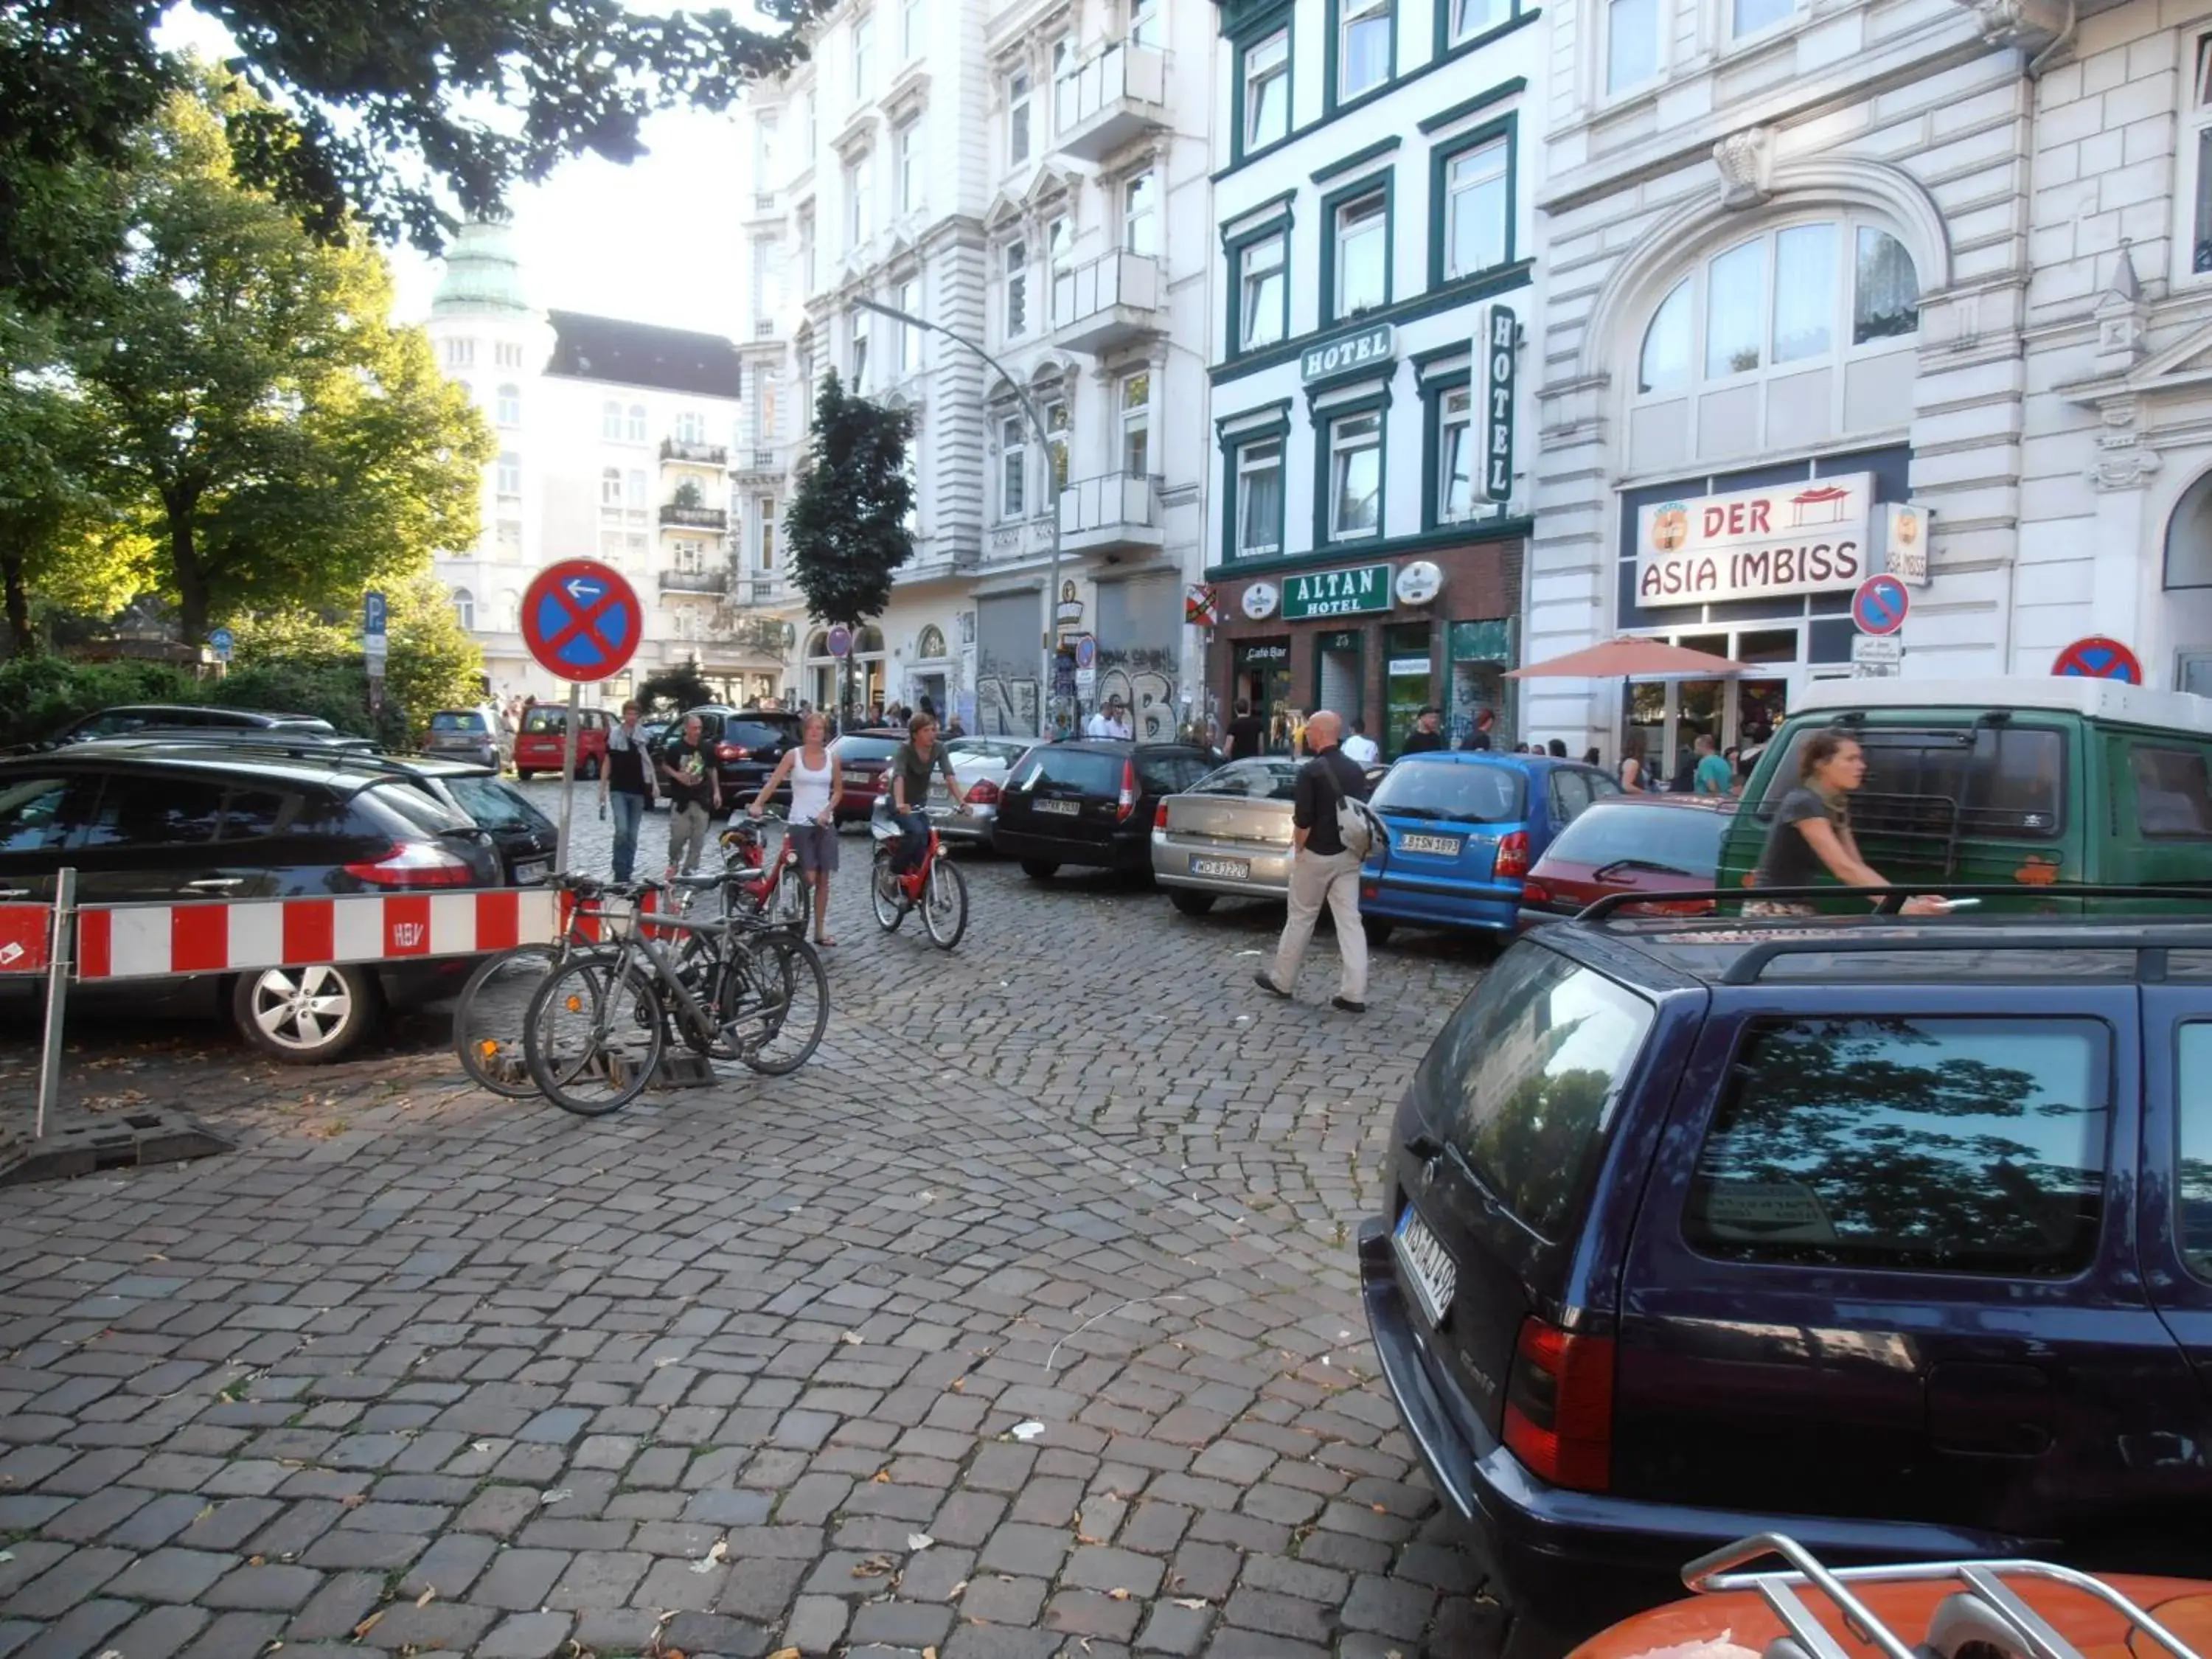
[(655, 242)]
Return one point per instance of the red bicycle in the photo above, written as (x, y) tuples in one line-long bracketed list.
[(934, 887), (767, 886)]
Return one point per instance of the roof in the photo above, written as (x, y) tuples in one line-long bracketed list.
[(2112, 700), (642, 354)]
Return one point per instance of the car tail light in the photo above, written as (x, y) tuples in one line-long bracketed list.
[(1160, 816), (413, 864), (1558, 1407), (1512, 855), (982, 793), (732, 751), (1534, 892), (1128, 804), (1368, 890)]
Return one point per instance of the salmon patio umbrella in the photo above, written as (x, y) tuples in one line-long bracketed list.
[(1629, 659)]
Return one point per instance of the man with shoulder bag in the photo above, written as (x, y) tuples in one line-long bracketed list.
[(1332, 832)]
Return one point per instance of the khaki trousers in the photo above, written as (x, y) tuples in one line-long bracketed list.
[(1319, 878)]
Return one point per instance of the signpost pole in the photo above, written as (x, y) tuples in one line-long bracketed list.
[(57, 979), (568, 781)]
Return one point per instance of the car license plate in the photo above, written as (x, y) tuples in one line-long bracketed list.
[(527, 874), (1431, 1271), (1448, 845), (1227, 869), (1066, 809)]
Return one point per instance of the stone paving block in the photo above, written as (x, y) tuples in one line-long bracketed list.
[(519, 1580), (1174, 1629), (157, 1633), (71, 1579), (443, 1624), (711, 1632), (526, 1636), (170, 1574), (268, 1587), (80, 1630), (1002, 1600), (230, 1635), (342, 1601), (817, 1624), (598, 1578)]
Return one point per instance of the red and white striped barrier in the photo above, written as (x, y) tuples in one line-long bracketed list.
[(27, 932), (143, 941)]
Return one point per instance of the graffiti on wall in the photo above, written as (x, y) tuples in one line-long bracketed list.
[(1145, 680), (1007, 704)]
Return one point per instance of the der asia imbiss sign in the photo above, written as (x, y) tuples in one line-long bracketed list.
[(1804, 538)]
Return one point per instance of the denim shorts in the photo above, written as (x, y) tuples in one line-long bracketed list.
[(816, 845)]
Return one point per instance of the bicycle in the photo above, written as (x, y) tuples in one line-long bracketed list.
[(734, 989), (767, 887), (492, 1012), (935, 887)]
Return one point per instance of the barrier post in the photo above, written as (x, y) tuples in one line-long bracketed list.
[(57, 978)]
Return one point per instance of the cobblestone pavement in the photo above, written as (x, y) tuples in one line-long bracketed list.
[(1021, 1322)]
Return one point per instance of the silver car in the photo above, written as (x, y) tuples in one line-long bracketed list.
[(981, 765), (1229, 832), (477, 734)]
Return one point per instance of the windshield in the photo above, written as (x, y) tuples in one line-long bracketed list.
[(495, 805), (1253, 780), (1460, 792), (1684, 840), (452, 721)]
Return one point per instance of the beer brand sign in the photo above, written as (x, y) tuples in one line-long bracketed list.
[(1804, 538)]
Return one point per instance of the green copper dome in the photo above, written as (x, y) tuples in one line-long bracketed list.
[(483, 273)]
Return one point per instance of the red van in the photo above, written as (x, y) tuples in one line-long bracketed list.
[(538, 745)]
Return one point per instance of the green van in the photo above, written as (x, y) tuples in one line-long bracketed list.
[(2005, 780)]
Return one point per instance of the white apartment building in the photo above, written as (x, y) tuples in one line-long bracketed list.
[(1033, 179), (1807, 264), (1374, 250), (618, 442)]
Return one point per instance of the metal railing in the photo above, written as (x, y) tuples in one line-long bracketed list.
[(696, 518), (694, 581), (676, 449), (1108, 500), (1116, 280)]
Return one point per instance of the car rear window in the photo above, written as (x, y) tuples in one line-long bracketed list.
[(496, 805), (2174, 796), (1947, 1145), (1258, 779), (452, 722), (1685, 840), (1463, 792), (1528, 1072), (420, 814), (1994, 780), (553, 722), (1164, 774), (1089, 771), (866, 749), (756, 734)]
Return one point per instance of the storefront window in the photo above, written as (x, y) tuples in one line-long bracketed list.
[(1260, 671)]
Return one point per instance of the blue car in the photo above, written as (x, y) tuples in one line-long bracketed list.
[(1464, 830)]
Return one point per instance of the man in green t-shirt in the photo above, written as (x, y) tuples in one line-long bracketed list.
[(1715, 776), (908, 779)]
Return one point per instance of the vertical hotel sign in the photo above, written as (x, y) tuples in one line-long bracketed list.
[(1495, 336)]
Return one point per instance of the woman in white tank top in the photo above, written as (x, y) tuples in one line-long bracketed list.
[(817, 779)]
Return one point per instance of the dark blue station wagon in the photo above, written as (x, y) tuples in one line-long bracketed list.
[(1895, 1236)]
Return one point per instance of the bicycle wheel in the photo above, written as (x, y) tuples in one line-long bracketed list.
[(492, 1014), (775, 1002), (594, 1037), (883, 893), (789, 908), (945, 905)]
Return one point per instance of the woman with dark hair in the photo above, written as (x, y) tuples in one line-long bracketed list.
[(1631, 771), (1812, 831), (1591, 756)]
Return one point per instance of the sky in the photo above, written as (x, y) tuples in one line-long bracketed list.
[(653, 242)]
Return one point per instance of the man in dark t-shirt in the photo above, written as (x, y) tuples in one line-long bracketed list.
[(1323, 870), (1248, 733), (1427, 733)]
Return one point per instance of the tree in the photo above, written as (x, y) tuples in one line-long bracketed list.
[(58, 539), (294, 444), (846, 526), (377, 109), (675, 688)]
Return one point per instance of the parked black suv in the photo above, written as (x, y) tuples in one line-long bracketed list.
[(161, 827), (746, 744), (176, 716), (1092, 802), (1892, 1235)]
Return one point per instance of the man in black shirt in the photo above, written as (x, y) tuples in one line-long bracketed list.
[(688, 774), (627, 780), (1322, 870), (1481, 737), (1248, 733), (1427, 733)]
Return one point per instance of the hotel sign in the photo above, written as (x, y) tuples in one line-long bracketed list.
[(1496, 336), (1337, 592), (1804, 538), (1348, 352)]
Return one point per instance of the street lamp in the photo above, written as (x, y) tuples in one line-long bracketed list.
[(1044, 448)]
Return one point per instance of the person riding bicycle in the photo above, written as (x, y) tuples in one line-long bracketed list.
[(912, 762), (817, 778)]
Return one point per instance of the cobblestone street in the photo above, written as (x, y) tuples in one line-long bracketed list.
[(1021, 1322)]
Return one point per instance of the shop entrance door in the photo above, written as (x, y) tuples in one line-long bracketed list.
[(1409, 682), (1261, 673), (1337, 677)]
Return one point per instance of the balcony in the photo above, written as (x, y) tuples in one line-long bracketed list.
[(1113, 99), (675, 449), (715, 519), (716, 580), (1020, 539), (1113, 301), (1114, 511), (762, 457)]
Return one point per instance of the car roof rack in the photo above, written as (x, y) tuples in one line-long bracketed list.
[(1987, 1614)]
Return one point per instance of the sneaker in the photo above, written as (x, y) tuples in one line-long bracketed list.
[(1347, 1005), (1268, 985)]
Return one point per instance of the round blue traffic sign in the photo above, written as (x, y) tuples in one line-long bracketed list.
[(1881, 606), (1086, 651), (840, 639), (581, 620)]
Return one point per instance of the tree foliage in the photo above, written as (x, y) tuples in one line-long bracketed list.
[(290, 446), (432, 664), (675, 688), (846, 526), (380, 109)]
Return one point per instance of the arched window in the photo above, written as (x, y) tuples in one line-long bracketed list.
[(1802, 333), (932, 642), (611, 424), (817, 644), (2189, 538), (869, 641), (637, 423), (464, 608), (509, 407)]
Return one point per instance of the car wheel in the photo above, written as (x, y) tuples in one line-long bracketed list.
[(306, 1016), (1039, 869), (1190, 902), (1379, 929), (524, 777)]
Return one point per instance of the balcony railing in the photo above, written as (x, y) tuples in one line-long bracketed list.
[(763, 200), (1112, 301), (715, 519), (694, 581), (763, 328), (675, 449), (1116, 509), (1109, 101)]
